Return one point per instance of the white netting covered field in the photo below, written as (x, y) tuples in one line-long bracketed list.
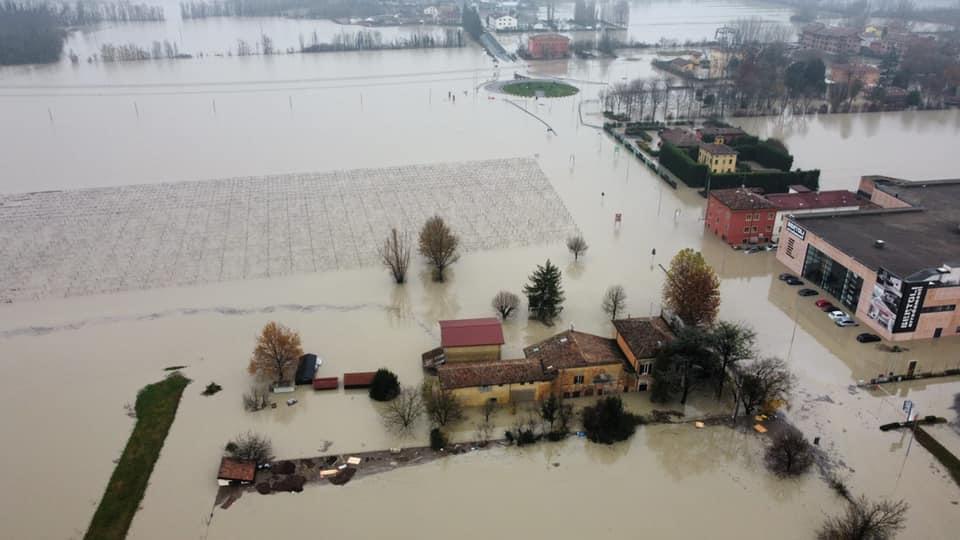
[(66, 243)]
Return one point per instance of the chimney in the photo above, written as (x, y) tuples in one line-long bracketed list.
[(879, 244)]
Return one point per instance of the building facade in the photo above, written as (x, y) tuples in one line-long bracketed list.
[(720, 158), (505, 22), (471, 340), (740, 216), (546, 46), (895, 266), (830, 39)]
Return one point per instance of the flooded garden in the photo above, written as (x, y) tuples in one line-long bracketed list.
[(147, 145)]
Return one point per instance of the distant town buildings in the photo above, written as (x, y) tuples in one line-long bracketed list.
[(896, 264), (867, 74), (568, 364), (830, 39), (505, 22), (720, 158), (546, 46)]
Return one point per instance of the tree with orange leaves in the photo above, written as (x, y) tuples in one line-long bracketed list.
[(276, 354), (692, 289)]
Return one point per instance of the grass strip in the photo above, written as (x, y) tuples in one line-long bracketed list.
[(156, 408), (549, 89)]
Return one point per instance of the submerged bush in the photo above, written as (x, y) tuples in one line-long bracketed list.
[(607, 422), (385, 385)]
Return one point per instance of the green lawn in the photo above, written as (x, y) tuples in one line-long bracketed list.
[(549, 89), (156, 407)]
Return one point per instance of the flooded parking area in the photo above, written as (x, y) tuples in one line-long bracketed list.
[(66, 243)]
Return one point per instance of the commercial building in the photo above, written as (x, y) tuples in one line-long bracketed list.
[(546, 46), (720, 158), (830, 39), (895, 265), (505, 22), (740, 216)]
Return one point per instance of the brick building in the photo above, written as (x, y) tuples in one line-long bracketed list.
[(546, 46), (830, 39), (740, 216)]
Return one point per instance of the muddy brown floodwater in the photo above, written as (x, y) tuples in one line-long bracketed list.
[(69, 365)]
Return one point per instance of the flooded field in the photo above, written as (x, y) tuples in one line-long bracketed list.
[(144, 123)]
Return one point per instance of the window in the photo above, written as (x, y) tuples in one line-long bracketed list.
[(756, 217), (578, 379), (749, 217), (642, 387), (753, 229), (938, 309), (485, 388), (790, 245), (645, 368), (746, 229), (769, 228), (770, 215)]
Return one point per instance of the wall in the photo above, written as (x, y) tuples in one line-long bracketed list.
[(782, 216), (473, 354), (633, 380), (473, 397), (564, 381)]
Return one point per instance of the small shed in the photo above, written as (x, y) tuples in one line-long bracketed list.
[(307, 369), (359, 379), (236, 471), (326, 383)]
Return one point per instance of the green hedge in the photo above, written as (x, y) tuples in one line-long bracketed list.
[(765, 153), (682, 166), (771, 182), (943, 455)]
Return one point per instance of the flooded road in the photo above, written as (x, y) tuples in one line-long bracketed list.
[(70, 365)]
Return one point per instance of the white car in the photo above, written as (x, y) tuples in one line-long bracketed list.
[(840, 318)]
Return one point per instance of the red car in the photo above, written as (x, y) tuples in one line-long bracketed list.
[(824, 305)]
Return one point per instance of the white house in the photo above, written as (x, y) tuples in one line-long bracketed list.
[(505, 22)]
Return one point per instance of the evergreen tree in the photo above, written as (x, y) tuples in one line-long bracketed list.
[(544, 294)]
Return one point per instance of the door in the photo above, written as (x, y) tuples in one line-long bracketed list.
[(937, 332), (912, 368)]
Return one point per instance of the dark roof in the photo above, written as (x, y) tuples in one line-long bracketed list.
[(718, 149), (548, 37), (575, 349), (644, 335), (679, 137), (838, 198), (741, 199), (471, 332), (360, 379), (489, 373), (916, 238), (307, 369), (718, 130), (240, 470)]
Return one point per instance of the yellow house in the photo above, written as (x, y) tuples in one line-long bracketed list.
[(640, 338), (471, 340), (502, 381), (583, 364), (720, 158)]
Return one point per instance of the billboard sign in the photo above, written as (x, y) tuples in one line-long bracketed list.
[(895, 303), (796, 230)]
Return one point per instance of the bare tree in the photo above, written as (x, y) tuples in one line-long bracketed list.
[(443, 407), (402, 413), (760, 382), (276, 354), (577, 245), (505, 303), (439, 245), (395, 255), (250, 446), (614, 301), (790, 454), (256, 398), (865, 520)]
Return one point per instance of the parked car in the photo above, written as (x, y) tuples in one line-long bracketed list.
[(867, 337), (807, 292), (840, 318), (794, 281), (825, 305), (785, 276)]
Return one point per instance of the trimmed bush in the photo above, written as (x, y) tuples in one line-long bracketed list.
[(607, 422), (682, 166), (385, 385), (771, 182)]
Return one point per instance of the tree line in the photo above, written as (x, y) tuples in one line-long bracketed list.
[(372, 40), (310, 9)]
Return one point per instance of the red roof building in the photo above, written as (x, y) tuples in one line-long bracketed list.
[(471, 340), (740, 216), (326, 383), (811, 202), (360, 379), (471, 332), (236, 471)]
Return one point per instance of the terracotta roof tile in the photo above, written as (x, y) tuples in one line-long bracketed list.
[(741, 199), (718, 149), (644, 335), (575, 349), (237, 469), (489, 373), (823, 199), (471, 332)]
